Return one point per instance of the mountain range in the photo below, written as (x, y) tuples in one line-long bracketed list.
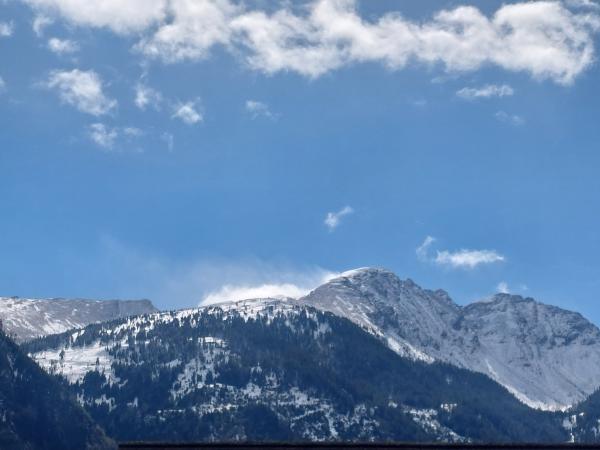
[(269, 369), (366, 356), (27, 318), (548, 357)]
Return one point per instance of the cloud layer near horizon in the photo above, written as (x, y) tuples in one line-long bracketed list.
[(544, 39)]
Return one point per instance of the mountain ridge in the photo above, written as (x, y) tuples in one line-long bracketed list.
[(546, 356), (220, 372), (27, 318)]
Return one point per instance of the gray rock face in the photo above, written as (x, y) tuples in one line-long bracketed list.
[(547, 357), (26, 319)]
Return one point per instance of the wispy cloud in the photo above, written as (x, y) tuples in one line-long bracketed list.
[(465, 259), (128, 272), (188, 113), (81, 89), (108, 137), (133, 132), (487, 91), (146, 96), (503, 288), (293, 283), (2, 85), (121, 17), (423, 249), (333, 219), (40, 22), (7, 29), (230, 292), (544, 39), (257, 109), (62, 46), (511, 119), (102, 135)]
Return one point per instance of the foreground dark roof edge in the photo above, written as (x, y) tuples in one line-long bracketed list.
[(391, 445)]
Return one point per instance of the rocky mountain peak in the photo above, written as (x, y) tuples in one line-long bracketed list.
[(377, 281), (546, 356)]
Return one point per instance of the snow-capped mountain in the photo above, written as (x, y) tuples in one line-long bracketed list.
[(25, 318), (547, 357), (275, 370)]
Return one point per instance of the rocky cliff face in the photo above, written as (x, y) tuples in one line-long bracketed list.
[(26, 319), (547, 357)]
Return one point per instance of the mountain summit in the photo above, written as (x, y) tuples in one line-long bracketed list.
[(546, 356)]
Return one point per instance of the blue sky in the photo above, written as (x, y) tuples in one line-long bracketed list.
[(189, 150)]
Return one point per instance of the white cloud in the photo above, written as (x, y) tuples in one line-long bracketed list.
[(305, 283), (39, 23), (188, 113), (146, 96), (193, 29), (62, 46), (120, 16), (81, 89), (468, 259), (423, 249), (108, 137), (487, 91), (333, 219), (512, 119), (544, 39), (2, 85), (257, 109), (7, 29), (126, 272), (503, 287), (102, 135)]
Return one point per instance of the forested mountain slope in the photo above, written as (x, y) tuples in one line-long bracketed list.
[(37, 412), (275, 370)]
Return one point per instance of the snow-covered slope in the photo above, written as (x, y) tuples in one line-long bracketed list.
[(271, 369), (547, 357), (25, 318)]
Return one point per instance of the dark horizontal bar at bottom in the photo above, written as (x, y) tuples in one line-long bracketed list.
[(355, 446)]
